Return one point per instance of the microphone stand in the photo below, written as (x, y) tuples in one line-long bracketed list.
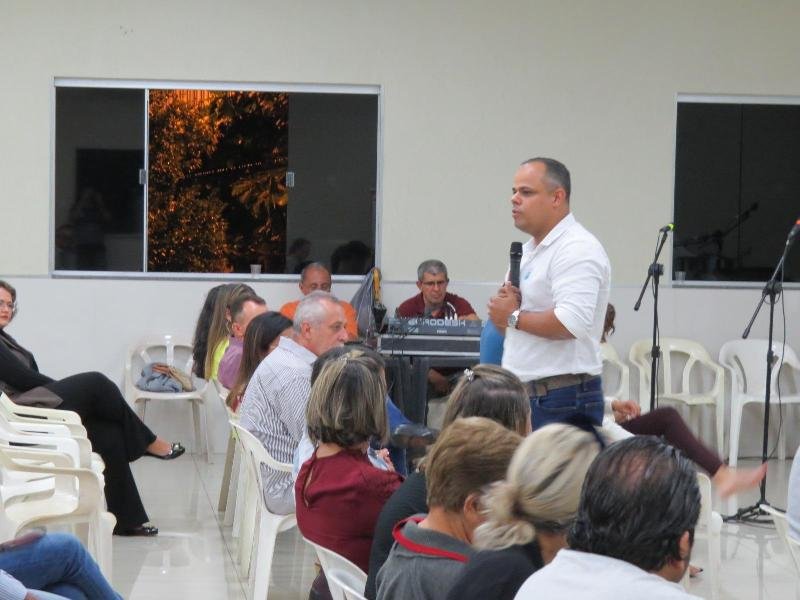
[(772, 290), (654, 271)]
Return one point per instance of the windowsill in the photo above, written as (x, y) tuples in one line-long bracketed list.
[(742, 285), (225, 277)]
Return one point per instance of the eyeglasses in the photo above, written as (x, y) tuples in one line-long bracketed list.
[(432, 284), (11, 305)]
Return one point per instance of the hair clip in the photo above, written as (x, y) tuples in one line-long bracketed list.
[(469, 374)]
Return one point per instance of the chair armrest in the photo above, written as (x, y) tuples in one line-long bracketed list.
[(90, 486), (50, 414)]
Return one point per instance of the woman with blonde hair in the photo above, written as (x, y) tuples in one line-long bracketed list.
[(529, 512), (339, 493)]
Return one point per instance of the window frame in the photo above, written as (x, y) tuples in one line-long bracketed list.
[(717, 99), (158, 84)]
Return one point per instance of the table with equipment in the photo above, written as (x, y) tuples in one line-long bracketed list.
[(411, 347)]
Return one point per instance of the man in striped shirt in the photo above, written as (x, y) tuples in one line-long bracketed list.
[(274, 404)]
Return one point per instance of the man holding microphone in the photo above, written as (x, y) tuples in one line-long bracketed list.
[(554, 319)]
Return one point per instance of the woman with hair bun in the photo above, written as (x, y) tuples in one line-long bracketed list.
[(529, 512)]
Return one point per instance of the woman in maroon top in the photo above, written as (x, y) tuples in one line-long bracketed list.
[(339, 493)]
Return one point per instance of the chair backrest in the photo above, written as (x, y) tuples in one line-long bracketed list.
[(256, 454), (611, 362), (344, 581), (166, 348), (671, 348), (782, 528), (350, 573), (747, 362)]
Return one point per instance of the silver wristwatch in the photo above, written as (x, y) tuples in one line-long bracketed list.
[(513, 319)]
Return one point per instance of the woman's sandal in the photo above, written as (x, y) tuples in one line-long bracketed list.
[(174, 452)]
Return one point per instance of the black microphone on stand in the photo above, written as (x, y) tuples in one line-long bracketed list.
[(515, 256), (667, 227)]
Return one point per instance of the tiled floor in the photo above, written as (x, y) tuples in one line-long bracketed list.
[(194, 555)]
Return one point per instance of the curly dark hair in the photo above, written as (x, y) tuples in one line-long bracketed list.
[(639, 497)]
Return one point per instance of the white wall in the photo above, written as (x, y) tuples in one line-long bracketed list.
[(469, 90)]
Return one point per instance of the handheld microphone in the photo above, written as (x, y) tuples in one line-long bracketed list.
[(667, 227), (793, 234), (514, 258)]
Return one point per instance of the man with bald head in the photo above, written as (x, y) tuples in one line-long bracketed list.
[(316, 277), (554, 320)]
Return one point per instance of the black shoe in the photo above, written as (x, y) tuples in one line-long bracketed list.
[(174, 452), (143, 530), (412, 435)]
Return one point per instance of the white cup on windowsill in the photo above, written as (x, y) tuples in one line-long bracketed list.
[(255, 269)]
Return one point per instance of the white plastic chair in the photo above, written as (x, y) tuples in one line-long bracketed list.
[(349, 573), (346, 583), (31, 414), (230, 474), (747, 362), (166, 349), (77, 500), (782, 528), (696, 356), (612, 362), (709, 525), (270, 525)]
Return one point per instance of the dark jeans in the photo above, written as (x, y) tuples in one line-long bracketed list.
[(556, 406)]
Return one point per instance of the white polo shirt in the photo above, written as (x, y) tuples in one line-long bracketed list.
[(568, 271)]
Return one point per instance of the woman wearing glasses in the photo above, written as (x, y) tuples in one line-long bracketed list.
[(115, 431)]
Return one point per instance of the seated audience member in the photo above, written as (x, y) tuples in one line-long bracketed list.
[(274, 404), (430, 551), (242, 311), (315, 277), (219, 325), (262, 337), (54, 565), (200, 339), (433, 299), (485, 391), (409, 433), (529, 512), (346, 410), (634, 531), (115, 431)]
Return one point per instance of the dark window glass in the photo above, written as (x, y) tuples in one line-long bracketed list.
[(99, 202), (737, 176), (234, 179)]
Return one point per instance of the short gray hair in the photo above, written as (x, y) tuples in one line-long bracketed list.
[(311, 309), (432, 266)]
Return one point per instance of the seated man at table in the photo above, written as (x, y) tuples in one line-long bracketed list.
[(433, 299), (314, 277), (243, 310)]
